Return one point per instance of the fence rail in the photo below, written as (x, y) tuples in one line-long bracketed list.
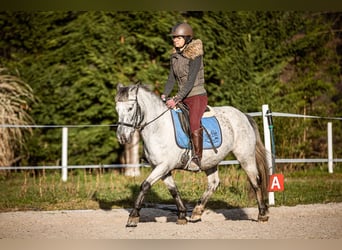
[(264, 114), (222, 163)]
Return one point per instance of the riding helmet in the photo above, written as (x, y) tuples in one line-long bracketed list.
[(184, 30)]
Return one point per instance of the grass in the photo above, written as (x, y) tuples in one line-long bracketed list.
[(106, 189), (312, 186)]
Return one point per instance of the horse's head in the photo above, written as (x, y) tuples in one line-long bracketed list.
[(129, 112)]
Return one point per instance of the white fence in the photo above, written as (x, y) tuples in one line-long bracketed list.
[(267, 140)]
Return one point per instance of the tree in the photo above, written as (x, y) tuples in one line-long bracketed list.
[(131, 155), (73, 60), (307, 85)]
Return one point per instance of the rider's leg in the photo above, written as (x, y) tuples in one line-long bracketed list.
[(197, 141), (197, 106)]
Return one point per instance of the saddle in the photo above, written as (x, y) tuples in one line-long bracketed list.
[(212, 138)]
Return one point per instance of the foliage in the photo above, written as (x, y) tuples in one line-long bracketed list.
[(73, 61)]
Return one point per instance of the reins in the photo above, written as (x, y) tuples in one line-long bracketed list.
[(138, 125), (141, 127), (147, 123)]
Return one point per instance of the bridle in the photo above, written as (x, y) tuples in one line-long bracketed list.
[(138, 116)]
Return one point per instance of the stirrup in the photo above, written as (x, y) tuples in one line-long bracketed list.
[(192, 166)]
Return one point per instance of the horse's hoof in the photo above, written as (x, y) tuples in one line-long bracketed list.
[(197, 214), (182, 221), (132, 222), (262, 218)]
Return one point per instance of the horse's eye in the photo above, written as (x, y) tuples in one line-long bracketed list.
[(130, 108)]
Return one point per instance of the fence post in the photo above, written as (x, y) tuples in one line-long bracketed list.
[(267, 141), (273, 151), (330, 148), (64, 154)]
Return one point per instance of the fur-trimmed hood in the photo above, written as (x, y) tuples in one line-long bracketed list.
[(192, 50)]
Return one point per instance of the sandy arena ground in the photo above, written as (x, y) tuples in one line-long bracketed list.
[(318, 221)]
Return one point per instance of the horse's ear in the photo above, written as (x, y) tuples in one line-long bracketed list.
[(138, 83), (120, 85)]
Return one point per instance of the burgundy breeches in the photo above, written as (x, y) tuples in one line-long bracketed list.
[(197, 105)]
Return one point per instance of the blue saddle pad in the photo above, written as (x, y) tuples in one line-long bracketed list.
[(211, 125)]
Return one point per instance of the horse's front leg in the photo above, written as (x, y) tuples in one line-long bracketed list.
[(213, 182), (155, 175), (171, 185), (134, 215)]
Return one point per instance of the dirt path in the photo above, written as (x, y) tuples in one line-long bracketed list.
[(319, 221)]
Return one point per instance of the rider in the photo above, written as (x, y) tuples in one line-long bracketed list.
[(186, 67)]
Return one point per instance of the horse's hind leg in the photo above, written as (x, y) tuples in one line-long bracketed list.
[(171, 185), (213, 182), (255, 181)]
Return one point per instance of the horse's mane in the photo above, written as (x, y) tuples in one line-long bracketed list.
[(123, 91), (148, 89), (145, 87)]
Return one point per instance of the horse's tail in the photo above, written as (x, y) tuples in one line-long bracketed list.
[(261, 160)]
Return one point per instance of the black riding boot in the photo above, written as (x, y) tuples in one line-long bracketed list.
[(197, 142)]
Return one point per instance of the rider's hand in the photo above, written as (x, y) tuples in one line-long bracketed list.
[(171, 103), (163, 97)]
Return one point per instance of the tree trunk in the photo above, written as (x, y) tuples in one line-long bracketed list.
[(132, 155)]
